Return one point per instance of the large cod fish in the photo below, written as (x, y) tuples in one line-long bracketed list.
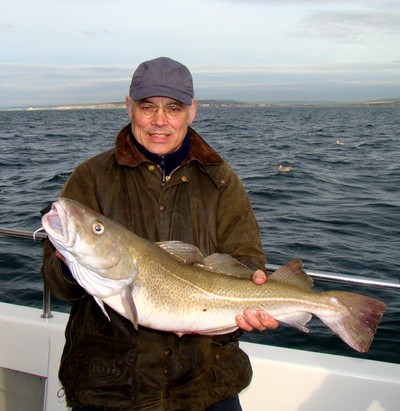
[(170, 286)]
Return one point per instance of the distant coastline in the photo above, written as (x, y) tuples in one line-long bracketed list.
[(212, 103)]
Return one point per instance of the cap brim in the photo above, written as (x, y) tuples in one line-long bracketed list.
[(162, 91)]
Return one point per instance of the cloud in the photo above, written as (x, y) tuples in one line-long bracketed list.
[(354, 21), (348, 26), (96, 33), (7, 26), (359, 3)]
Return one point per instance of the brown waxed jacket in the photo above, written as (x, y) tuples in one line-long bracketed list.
[(109, 365)]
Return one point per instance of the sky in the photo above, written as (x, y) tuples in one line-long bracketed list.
[(56, 52)]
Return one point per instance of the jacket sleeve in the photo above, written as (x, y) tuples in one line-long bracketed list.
[(55, 273), (238, 231)]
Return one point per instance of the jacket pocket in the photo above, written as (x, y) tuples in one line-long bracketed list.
[(231, 370), (99, 375)]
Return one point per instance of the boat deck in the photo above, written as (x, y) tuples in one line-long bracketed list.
[(284, 379)]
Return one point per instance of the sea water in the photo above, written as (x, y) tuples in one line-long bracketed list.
[(338, 209)]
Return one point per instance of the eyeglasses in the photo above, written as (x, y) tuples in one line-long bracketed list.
[(172, 111)]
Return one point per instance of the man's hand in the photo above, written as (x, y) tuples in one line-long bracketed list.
[(259, 320)]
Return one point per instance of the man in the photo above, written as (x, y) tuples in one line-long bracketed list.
[(163, 182)]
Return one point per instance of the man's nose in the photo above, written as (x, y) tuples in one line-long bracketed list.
[(160, 118)]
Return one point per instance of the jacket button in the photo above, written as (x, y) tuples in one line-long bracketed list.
[(167, 352), (151, 167), (184, 178), (162, 207)]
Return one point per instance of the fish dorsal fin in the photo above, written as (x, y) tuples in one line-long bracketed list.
[(188, 253), (225, 264), (293, 273)]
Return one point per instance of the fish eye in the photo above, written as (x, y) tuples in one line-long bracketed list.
[(98, 227)]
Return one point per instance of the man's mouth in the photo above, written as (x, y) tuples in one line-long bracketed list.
[(158, 136)]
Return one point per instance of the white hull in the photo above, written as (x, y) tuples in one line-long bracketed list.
[(284, 379)]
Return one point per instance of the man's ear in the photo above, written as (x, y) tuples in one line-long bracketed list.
[(129, 106), (192, 111)]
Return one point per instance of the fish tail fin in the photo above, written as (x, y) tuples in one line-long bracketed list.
[(357, 326)]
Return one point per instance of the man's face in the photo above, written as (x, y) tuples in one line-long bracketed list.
[(160, 124)]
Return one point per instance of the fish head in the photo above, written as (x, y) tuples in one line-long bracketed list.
[(90, 240)]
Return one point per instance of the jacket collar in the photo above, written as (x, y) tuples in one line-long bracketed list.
[(128, 155)]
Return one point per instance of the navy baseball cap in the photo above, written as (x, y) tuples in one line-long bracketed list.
[(162, 77)]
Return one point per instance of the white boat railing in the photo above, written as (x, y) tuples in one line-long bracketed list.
[(319, 275)]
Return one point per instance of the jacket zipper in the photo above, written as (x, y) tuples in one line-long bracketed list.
[(163, 175)]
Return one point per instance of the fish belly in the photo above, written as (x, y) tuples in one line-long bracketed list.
[(172, 318)]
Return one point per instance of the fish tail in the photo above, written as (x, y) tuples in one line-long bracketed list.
[(357, 323)]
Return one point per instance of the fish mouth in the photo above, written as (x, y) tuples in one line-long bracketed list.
[(56, 224)]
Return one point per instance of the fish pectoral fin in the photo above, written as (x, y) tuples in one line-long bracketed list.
[(188, 253), (129, 306), (293, 273), (297, 320), (100, 303), (226, 264)]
